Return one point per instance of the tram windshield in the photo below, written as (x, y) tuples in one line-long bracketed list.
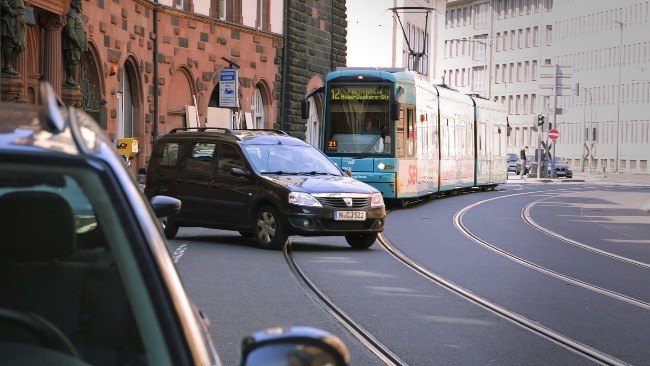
[(358, 120)]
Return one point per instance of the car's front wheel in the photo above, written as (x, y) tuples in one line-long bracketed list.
[(269, 230), (170, 227), (361, 241)]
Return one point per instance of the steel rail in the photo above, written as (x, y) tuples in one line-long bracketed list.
[(366, 338), (515, 318)]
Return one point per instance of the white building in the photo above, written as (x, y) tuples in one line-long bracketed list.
[(395, 33), (509, 51)]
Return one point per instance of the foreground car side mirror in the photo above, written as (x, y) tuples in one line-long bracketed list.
[(164, 206), (297, 345)]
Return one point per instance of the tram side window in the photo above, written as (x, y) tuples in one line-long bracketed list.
[(400, 133), (410, 137)]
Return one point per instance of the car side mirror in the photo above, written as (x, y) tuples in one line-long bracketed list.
[(347, 172), (164, 206), (297, 345), (239, 172)]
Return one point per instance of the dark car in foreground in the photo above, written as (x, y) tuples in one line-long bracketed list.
[(263, 183), (86, 277)]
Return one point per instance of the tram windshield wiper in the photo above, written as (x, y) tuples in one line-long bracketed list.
[(371, 144)]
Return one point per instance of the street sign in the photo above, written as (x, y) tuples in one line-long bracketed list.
[(228, 91), (553, 134)]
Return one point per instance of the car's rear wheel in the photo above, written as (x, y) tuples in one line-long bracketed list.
[(170, 227), (361, 241), (269, 232)]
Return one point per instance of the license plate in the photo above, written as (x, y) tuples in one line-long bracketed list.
[(350, 215)]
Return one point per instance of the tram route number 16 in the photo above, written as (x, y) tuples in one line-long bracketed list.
[(413, 175)]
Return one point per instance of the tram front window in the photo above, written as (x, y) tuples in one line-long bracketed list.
[(358, 120)]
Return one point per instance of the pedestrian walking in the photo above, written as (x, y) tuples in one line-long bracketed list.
[(522, 157)]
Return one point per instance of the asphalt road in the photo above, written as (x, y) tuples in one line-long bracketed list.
[(572, 257)]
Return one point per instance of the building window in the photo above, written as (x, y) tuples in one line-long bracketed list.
[(481, 13), (263, 20), (257, 107), (549, 34)]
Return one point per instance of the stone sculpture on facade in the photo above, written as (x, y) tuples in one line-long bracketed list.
[(75, 42), (13, 34)]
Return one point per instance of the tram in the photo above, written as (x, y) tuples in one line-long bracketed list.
[(393, 129)]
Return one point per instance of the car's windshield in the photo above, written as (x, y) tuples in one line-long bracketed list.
[(303, 159), (512, 157)]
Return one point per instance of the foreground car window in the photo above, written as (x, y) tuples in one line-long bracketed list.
[(65, 256)]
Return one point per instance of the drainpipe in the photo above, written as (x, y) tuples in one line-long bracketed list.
[(154, 132), (285, 58)]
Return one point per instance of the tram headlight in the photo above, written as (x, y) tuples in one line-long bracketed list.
[(381, 166), (303, 199), (377, 200)]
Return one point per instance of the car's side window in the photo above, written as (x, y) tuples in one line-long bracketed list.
[(169, 155), (200, 157), (229, 158)]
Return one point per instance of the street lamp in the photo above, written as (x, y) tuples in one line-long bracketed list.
[(618, 105)]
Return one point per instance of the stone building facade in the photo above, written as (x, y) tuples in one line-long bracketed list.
[(147, 62), (315, 44)]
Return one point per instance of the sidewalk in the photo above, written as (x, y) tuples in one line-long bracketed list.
[(643, 202), (582, 177)]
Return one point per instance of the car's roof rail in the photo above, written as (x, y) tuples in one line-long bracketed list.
[(279, 132), (229, 131), (202, 129)]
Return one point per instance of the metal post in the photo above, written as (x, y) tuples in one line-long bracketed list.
[(618, 104), (555, 91), (587, 142)]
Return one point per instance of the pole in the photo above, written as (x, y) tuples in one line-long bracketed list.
[(618, 104), (555, 89), (590, 131)]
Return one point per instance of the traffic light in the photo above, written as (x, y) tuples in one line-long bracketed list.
[(550, 125), (540, 120)]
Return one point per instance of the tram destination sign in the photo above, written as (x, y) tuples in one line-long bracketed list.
[(359, 93)]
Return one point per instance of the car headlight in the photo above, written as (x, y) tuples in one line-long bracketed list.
[(377, 200), (303, 199)]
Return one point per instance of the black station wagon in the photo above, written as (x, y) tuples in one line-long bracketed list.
[(263, 183)]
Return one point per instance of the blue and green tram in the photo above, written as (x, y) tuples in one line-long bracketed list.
[(424, 139)]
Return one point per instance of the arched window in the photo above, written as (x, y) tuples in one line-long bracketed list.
[(257, 107)]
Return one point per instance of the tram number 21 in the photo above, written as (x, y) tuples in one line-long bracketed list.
[(413, 175)]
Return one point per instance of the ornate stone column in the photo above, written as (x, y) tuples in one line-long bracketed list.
[(53, 51)]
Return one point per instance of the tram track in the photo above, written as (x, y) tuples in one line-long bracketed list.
[(365, 337), (495, 248), (558, 338), (389, 358), (525, 215)]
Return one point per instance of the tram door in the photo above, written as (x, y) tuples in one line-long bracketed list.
[(406, 146)]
